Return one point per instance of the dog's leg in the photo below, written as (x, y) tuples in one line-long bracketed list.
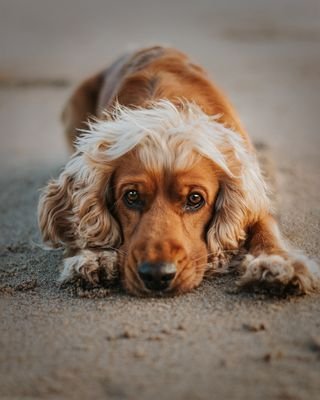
[(95, 267), (270, 263)]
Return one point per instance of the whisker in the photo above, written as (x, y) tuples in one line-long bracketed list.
[(116, 250), (215, 253), (198, 258)]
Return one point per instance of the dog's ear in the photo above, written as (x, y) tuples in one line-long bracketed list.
[(241, 200), (55, 212), (73, 209), (227, 227)]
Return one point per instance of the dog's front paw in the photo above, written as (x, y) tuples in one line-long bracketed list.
[(298, 273), (96, 268)]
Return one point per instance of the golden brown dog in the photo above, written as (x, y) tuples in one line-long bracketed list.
[(163, 185)]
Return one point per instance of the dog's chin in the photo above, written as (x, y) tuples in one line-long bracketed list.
[(138, 289)]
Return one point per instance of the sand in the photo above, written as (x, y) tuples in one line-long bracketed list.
[(213, 343)]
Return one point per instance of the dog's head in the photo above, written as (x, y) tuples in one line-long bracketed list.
[(169, 187)]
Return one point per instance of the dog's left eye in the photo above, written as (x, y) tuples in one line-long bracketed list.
[(132, 199), (194, 201)]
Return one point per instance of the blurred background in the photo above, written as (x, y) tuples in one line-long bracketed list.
[(264, 54)]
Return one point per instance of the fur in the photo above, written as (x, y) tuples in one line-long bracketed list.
[(157, 135)]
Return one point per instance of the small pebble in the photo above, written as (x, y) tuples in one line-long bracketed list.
[(110, 338), (139, 353), (128, 333), (255, 327), (166, 330), (181, 327), (155, 337), (315, 343), (268, 357)]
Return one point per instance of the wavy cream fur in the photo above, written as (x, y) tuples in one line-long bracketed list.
[(167, 137)]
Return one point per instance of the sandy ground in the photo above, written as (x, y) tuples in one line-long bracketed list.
[(211, 343)]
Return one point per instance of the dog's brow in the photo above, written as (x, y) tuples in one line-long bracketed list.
[(186, 189), (194, 186), (131, 181)]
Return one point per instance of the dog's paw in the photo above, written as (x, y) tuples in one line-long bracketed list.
[(96, 268), (298, 273)]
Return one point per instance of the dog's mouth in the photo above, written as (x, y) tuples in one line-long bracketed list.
[(149, 289), (168, 285)]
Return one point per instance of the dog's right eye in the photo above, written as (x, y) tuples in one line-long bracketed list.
[(132, 199)]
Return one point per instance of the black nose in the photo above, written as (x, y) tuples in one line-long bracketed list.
[(157, 275)]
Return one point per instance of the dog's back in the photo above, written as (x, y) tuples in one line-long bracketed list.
[(140, 78)]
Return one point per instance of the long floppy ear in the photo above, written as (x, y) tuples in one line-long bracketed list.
[(241, 200), (55, 212), (73, 210), (226, 230)]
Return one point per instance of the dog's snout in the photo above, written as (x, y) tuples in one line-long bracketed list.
[(157, 275)]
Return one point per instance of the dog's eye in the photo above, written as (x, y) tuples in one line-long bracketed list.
[(194, 201), (132, 199)]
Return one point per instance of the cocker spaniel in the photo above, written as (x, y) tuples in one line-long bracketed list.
[(163, 186)]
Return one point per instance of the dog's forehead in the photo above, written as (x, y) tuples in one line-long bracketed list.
[(130, 169)]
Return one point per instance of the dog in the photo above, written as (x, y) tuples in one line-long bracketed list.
[(163, 186)]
